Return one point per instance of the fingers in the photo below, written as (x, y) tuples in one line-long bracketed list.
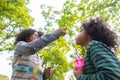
[(64, 31), (61, 31), (48, 71), (79, 72), (74, 69)]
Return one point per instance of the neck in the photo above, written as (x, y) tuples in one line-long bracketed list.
[(86, 44)]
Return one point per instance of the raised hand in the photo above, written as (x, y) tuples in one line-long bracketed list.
[(61, 31)]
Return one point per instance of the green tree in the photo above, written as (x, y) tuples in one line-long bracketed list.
[(13, 17), (72, 13)]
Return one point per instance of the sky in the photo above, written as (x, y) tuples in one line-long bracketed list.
[(34, 6), (5, 68)]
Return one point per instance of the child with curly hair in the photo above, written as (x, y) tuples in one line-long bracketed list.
[(100, 62)]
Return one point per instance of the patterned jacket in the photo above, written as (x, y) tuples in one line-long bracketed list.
[(26, 64)]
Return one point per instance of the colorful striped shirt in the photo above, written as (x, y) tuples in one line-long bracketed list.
[(100, 63)]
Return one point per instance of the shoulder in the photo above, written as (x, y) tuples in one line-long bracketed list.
[(97, 45), (21, 43), (93, 43)]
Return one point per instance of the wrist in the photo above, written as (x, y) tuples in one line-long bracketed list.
[(56, 34)]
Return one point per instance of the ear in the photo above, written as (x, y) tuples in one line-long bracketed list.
[(89, 37)]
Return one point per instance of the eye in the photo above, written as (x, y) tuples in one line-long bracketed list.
[(81, 30), (36, 35)]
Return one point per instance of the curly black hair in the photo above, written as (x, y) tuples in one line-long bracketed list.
[(25, 34), (99, 30)]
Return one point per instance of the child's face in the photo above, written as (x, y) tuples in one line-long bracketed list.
[(82, 38)]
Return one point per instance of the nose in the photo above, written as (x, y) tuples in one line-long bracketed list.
[(36, 37), (76, 37)]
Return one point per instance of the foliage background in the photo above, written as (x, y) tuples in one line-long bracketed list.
[(60, 54)]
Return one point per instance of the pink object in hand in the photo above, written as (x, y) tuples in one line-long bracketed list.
[(79, 62)]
